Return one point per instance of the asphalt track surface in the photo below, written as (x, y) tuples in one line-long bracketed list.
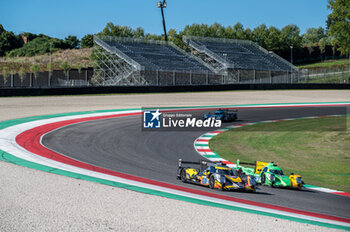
[(119, 144)]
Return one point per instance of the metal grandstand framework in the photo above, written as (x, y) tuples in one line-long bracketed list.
[(127, 61), (241, 60)]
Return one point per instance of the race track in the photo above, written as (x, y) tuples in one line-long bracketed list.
[(119, 144)]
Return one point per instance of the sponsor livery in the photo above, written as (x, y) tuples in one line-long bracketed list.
[(215, 176)]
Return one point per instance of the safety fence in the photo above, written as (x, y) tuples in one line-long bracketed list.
[(54, 79), (87, 78)]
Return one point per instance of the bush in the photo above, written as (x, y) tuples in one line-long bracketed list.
[(38, 46), (72, 42), (87, 41), (8, 41), (41, 45)]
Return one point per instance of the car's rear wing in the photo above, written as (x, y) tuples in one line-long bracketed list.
[(258, 165), (203, 163)]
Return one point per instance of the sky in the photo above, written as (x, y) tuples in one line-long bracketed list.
[(60, 18)]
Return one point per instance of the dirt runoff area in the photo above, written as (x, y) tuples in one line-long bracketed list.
[(32, 200)]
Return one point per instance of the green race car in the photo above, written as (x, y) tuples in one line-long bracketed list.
[(271, 175)]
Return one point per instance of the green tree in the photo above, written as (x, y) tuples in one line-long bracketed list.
[(230, 33), (139, 33), (87, 41), (72, 42), (313, 35), (30, 36), (238, 30), (8, 42), (116, 30), (260, 35), (1, 29), (175, 38), (322, 45), (273, 40), (196, 30), (216, 30), (290, 36), (338, 23), (333, 42)]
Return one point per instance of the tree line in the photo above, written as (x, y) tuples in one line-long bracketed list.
[(315, 43), (29, 44)]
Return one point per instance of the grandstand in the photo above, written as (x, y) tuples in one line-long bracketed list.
[(243, 60), (126, 61)]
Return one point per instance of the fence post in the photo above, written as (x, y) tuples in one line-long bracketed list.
[(207, 77), (86, 78), (157, 80), (49, 79), (223, 79), (191, 77), (31, 80), (12, 79), (270, 76), (238, 77), (174, 81), (68, 78), (254, 76)]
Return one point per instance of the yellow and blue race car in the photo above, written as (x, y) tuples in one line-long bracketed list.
[(215, 175)]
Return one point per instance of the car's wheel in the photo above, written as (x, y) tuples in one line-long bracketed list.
[(263, 179), (183, 175), (211, 182)]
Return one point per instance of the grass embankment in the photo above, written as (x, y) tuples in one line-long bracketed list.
[(75, 57), (317, 149), (326, 64)]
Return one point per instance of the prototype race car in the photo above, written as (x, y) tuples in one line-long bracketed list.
[(216, 175), (225, 115), (271, 175)]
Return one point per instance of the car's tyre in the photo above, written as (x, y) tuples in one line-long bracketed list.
[(211, 182), (183, 175)]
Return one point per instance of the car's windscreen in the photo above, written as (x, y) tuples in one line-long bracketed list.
[(277, 172), (224, 172)]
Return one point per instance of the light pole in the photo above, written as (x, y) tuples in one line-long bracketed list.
[(162, 5), (291, 61)]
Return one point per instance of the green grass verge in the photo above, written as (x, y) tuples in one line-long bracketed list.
[(317, 149), (330, 78), (326, 64)]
